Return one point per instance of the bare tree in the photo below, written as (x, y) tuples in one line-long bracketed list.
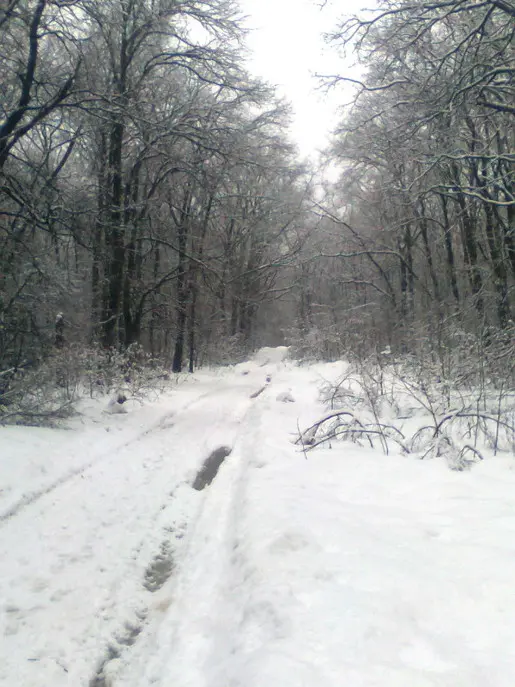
[(428, 148)]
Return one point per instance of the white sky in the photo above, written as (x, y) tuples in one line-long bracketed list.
[(288, 49)]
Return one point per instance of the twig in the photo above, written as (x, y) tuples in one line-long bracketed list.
[(301, 440)]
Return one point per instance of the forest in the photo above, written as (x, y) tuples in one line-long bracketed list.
[(154, 212)]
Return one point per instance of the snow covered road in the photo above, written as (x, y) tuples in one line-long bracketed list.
[(76, 551), (348, 568)]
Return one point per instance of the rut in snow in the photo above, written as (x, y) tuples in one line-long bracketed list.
[(160, 568), (157, 573), (210, 468), (127, 638)]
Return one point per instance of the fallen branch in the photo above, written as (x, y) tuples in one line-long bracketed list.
[(354, 427), (477, 416)]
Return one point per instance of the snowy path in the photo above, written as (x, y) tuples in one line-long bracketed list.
[(349, 568), (75, 555), (67, 453)]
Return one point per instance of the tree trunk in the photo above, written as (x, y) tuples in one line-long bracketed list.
[(181, 283), (428, 253), (500, 277), (470, 249), (449, 250), (114, 243), (191, 331), (509, 234), (98, 236), (132, 312), (194, 269)]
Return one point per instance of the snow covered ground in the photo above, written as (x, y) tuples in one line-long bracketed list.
[(341, 567)]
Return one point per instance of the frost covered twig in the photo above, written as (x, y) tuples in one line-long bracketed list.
[(374, 399), (343, 423)]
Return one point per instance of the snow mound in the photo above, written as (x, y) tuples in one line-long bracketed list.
[(271, 355), (245, 368), (116, 405), (285, 397)]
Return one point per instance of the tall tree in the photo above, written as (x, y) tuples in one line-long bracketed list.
[(431, 129)]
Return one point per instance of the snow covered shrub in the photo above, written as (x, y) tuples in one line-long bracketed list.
[(223, 351), (38, 395), (133, 371), (315, 344), (365, 385), (46, 392), (408, 403)]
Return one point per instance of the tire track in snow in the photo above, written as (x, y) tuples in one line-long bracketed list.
[(34, 496), (157, 573), (78, 554), (197, 580), (167, 563)]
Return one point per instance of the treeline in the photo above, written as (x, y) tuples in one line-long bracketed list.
[(423, 217), (148, 193)]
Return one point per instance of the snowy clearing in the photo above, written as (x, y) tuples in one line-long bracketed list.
[(341, 566)]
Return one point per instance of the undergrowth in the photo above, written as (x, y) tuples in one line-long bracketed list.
[(45, 393), (409, 405)]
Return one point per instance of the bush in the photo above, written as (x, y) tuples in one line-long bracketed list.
[(457, 410), (44, 393)]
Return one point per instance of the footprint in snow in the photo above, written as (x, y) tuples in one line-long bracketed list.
[(290, 541)]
